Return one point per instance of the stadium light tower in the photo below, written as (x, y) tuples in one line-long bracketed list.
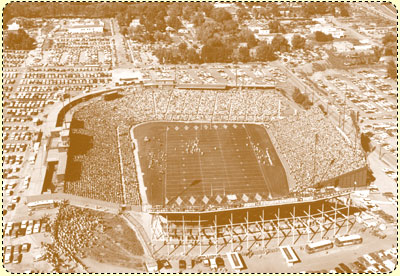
[(315, 153), (326, 170)]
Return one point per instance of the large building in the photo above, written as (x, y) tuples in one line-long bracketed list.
[(86, 26)]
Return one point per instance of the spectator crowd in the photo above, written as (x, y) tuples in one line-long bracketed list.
[(299, 137), (98, 166), (309, 134)]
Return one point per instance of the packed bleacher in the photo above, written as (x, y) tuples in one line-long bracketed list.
[(130, 174), (301, 136), (72, 231), (100, 174)]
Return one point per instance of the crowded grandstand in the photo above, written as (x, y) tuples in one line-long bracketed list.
[(301, 140)]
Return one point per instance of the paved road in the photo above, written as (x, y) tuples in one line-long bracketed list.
[(381, 10), (121, 53)]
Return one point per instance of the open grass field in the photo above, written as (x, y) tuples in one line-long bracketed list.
[(188, 164)]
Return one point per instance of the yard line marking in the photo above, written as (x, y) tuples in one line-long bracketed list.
[(224, 162), (265, 179)]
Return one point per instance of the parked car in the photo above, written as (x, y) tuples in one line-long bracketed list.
[(338, 270), (15, 199), (381, 268), (165, 264), (182, 264), (7, 258), (17, 249), (17, 259), (25, 247), (206, 262), (8, 249), (363, 261), (360, 265), (36, 228), (369, 259), (24, 224), (29, 229), (220, 262), (345, 268)]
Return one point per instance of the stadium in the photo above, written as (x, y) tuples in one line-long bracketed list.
[(215, 170)]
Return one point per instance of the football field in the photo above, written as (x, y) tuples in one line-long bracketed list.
[(188, 164)]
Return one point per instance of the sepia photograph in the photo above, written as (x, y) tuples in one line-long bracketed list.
[(199, 137)]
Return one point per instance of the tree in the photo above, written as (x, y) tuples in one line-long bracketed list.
[(280, 43), (19, 40), (192, 56), (175, 9), (322, 37), (230, 26), (220, 15), (188, 10), (275, 27), (174, 22), (198, 19), (274, 9), (182, 47), (242, 14), (244, 54), (207, 31), (391, 70), (265, 52), (366, 141), (124, 30), (215, 51), (301, 98), (298, 42), (391, 50), (389, 38), (297, 96), (378, 51), (245, 35)]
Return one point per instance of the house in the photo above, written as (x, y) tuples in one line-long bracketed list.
[(222, 5), (342, 46), (183, 31), (263, 32), (363, 48), (13, 26), (327, 29), (135, 23)]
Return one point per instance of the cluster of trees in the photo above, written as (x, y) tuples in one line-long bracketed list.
[(301, 98), (19, 40), (389, 42), (276, 27), (218, 32), (391, 70), (366, 141), (324, 8), (225, 49), (178, 54), (322, 37)]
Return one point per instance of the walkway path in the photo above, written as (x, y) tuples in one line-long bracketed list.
[(140, 232)]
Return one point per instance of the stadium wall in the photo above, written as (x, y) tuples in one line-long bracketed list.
[(349, 179)]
